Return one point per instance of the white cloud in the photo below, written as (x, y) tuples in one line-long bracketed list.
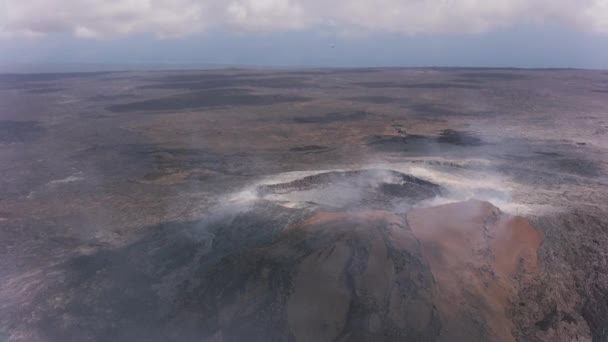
[(265, 15), (172, 18)]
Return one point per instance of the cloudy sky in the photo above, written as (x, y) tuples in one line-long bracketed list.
[(520, 33)]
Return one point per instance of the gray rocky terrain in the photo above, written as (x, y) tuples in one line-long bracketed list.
[(304, 205)]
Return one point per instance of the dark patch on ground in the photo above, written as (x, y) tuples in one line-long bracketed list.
[(19, 131), (549, 154), (601, 131), (577, 166), (148, 162), (107, 98), (494, 76), (567, 162), (27, 86), (483, 69), (332, 117), (46, 77), (166, 160), (413, 142), (230, 82), (595, 309), (540, 165), (304, 73), (190, 77), (207, 99), (550, 69), (378, 99), (425, 109), (396, 139), (600, 91), (112, 291), (460, 138), (44, 90), (554, 317), (401, 143), (469, 80), (440, 86), (310, 149), (198, 77), (41, 83), (417, 85), (158, 287), (355, 71), (379, 84)]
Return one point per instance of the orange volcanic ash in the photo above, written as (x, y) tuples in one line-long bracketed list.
[(479, 258)]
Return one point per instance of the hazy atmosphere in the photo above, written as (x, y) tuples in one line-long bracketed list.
[(303, 171)]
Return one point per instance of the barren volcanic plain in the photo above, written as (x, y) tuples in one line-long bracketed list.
[(304, 205)]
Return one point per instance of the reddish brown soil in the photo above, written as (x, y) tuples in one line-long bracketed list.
[(479, 257)]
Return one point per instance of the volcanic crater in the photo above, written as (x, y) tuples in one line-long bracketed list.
[(368, 188)]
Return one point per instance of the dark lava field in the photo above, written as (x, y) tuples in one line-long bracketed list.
[(304, 205)]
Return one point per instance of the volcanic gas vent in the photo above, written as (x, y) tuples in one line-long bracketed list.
[(371, 188)]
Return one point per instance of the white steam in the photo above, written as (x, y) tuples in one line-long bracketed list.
[(461, 180)]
